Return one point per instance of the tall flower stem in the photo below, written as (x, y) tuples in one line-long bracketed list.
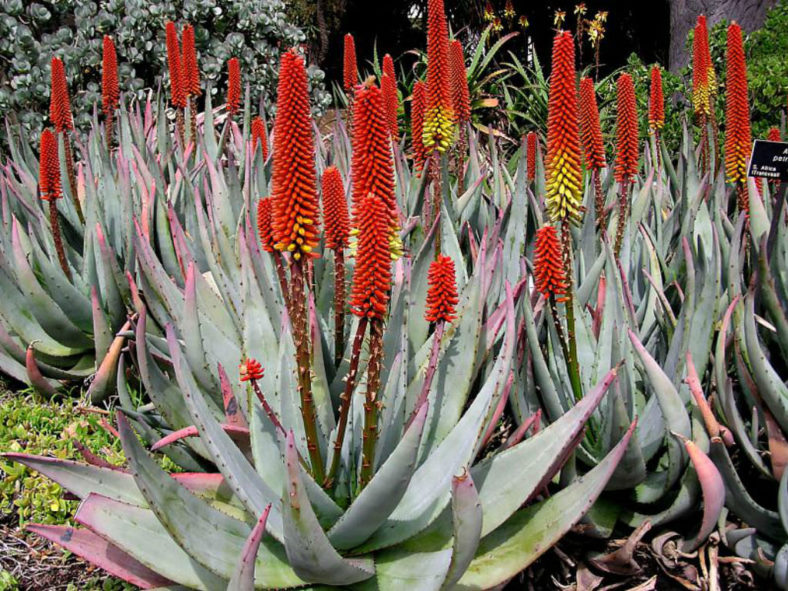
[(573, 365), (300, 335), (435, 208), (72, 177), (339, 306), (559, 329), (180, 126), (109, 130), (282, 276), (371, 404), (268, 410), (704, 144), (193, 118), (437, 337), (344, 399), (61, 253), (623, 212), (599, 200)]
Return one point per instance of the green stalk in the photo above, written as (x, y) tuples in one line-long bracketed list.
[(339, 305), (303, 361), (344, 399), (371, 404), (573, 365)]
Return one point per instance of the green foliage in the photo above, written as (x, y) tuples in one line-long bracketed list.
[(32, 33), (45, 428)]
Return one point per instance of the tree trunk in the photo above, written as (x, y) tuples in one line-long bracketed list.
[(750, 14)]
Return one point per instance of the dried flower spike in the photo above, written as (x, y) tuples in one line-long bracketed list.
[(549, 272), (233, 86), (295, 214), (60, 103), (110, 94), (439, 114), (250, 369), (372, 278), (563, 137), (335, 213), (441, 291)]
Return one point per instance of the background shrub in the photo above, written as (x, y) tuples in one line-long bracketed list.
[(255, 31)]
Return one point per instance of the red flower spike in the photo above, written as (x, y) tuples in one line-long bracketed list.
[(549, 272), (260, 136), (110, 94), (296, 219), (441, 291), (49, 167), (626, 131), (264, 227), (177, 87), (438, 114), (191, 73), (233, 86), (460, 95), (388, 86), (372, 277), (250, 369), (564, 177), (773, 135), (656, 103), (417, 124), (590, 130), (335, 214), (350, 69), (704, 80), (372, 165), (530, 151), (59, 102), (737, 109)]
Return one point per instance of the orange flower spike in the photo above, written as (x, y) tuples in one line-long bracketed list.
[(590, 130), (564, 182), (191, 72), (656, 103), (439, 114), (417, 124), (773, 135), (372, 277), (626, 131), (335, 214), (177, 87), (59, 102), (388, 85), (530, 151), (250, 369), (459, 83), (295, 211), (701, 68), (49, 168), (264, 221), (441, 291), (372, 165), (233, 86), (737, 109), (110, 94), (549, 272), (260, 136), (350, 69)]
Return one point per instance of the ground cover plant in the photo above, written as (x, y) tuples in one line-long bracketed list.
[(370, 355)]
